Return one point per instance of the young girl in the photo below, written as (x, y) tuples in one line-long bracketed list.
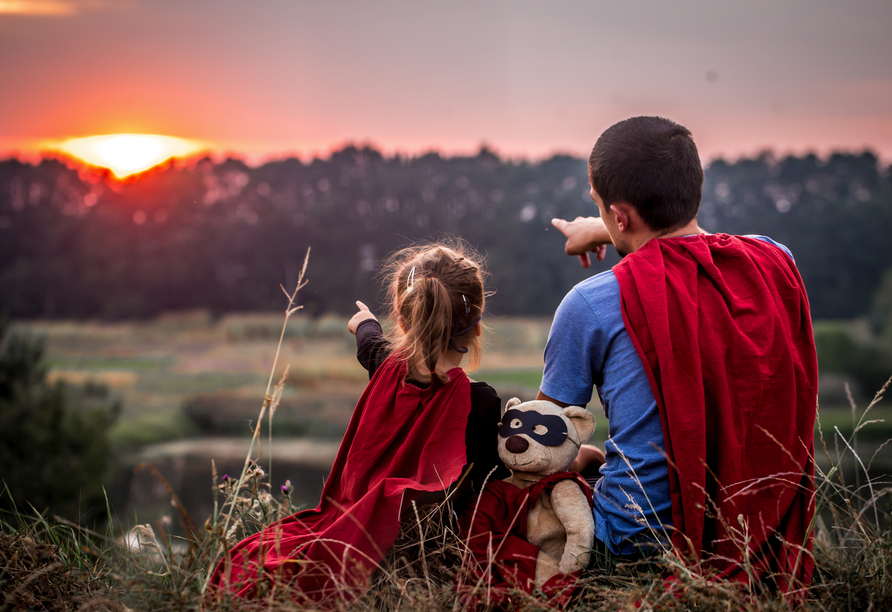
[(417, 426)]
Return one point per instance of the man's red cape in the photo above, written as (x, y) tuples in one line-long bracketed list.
[(722, 326), (495, 531), (402, 441)]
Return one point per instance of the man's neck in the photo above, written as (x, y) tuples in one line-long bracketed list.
[(688, 229)]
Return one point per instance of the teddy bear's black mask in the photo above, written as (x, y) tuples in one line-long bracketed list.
[(555, 426)]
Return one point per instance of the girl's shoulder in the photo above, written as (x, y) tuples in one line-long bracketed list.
[(484, 397)]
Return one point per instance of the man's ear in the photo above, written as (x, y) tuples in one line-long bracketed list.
[(622, 217), (402, 323), (582, 420), (514, 401)]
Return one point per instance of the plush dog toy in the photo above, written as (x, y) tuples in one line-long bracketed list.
[(536, 525)]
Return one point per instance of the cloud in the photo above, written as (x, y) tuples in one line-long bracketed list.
[(51, 8)]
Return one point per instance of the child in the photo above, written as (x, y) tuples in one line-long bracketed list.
[(418, 424), (450, 274)]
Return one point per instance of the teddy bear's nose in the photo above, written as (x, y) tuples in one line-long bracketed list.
[(516, 444)]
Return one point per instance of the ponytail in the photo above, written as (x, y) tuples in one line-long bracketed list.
[(437, 297)]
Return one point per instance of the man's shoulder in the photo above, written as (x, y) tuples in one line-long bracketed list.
[(771, 241), (599, 287)]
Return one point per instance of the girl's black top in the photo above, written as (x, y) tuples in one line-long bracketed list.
[(482, 430)]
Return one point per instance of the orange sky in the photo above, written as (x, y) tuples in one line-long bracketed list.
[(529, 77)]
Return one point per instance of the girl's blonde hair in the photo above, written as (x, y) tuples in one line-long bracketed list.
[(437, 291)]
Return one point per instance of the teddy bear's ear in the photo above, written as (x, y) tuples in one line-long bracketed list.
[(582, 420), (514, 401)]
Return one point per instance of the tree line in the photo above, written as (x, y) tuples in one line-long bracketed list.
[(223, 235)]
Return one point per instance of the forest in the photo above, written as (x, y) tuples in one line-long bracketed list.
[(77, 244)]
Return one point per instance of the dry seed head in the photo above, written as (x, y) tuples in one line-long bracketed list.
[(146, 536), (230, 535)]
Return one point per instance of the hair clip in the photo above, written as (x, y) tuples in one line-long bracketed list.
[(467, 308), (410, 282)]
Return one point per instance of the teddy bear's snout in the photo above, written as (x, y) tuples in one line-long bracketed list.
[(516, 445)]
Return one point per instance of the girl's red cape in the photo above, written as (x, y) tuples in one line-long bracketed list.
[(402, 441)]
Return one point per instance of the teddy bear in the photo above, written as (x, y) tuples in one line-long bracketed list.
[(536, 526)]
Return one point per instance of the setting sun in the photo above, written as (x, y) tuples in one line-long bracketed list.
[(126, 154)]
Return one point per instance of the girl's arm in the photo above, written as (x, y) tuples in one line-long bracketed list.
[(371, 347)]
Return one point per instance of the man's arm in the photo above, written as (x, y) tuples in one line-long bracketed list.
[(584, 235), (573, 342), (542, 396)]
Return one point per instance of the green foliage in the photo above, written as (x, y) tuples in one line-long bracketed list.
[(54, 445), (867, 362), (881, 310)]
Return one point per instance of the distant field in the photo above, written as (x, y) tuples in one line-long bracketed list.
[(181, 373), (185, 375)]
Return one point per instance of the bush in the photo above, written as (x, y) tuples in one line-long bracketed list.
[(54, 444), (881, 309), (867, 362)]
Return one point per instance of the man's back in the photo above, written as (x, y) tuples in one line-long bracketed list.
[(723, 329)]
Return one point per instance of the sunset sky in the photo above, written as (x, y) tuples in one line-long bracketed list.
[(266, 78)]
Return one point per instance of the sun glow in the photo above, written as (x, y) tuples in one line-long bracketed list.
[(126, 154)]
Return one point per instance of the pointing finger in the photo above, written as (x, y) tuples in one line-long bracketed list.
[(560, 224)]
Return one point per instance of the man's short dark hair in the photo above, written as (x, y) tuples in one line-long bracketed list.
[(652, 164)]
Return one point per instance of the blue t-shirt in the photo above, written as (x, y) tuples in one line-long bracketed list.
[(588, 346)]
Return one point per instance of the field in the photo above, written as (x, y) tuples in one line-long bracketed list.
[(187, 375)]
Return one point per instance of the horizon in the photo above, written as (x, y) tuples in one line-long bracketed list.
[(256, 161)]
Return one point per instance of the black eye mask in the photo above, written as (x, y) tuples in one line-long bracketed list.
[(556, 427)]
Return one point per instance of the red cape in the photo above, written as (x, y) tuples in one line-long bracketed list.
[(495, 530), (722, 326), (402, 441)]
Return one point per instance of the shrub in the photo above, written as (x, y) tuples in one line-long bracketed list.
[(867, 362), (54, 444)]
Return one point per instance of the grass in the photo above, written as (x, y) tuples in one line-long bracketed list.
[(527, 378), (151, 428), (107, 363), (54, 564), (193, 383)]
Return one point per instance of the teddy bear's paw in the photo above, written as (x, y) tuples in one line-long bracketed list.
[(571, 563)]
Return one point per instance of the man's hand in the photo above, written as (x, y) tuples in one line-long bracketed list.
[(584, 235), (363, 314)]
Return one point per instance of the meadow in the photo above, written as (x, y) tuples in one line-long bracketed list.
[(192, 390)]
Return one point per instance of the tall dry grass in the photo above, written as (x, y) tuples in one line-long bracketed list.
[(49, 563)]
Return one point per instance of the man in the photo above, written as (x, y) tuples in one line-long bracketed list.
[(702, 352)]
